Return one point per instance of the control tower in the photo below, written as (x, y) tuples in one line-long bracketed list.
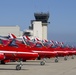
[(43, 17)]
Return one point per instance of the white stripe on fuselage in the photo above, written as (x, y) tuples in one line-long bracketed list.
[(45, 51), (61, 51), (17, 52)]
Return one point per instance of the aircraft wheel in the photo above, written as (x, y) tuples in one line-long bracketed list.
[(65, 58), (72, 57), (42, 63), (56, 60), (18, 67)]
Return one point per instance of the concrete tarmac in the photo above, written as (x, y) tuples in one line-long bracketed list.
[(33, 67)]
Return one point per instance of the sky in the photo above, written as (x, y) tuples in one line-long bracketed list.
[(62, 18)]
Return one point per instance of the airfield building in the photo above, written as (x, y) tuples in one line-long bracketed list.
[(38, 26), (5, 30)]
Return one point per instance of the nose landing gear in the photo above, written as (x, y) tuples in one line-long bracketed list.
[(65, 58), (19, 66), (43, 62), (56, 60)]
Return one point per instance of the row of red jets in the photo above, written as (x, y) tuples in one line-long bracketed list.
[(23, 49)]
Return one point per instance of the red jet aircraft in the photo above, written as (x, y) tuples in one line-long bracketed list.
[(14, 51), (60, 49), (37, 47)]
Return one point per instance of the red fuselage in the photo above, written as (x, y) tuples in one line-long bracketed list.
[(16, 51), (43, 52)]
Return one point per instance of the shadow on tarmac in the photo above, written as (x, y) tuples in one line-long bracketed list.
[(11, 69)]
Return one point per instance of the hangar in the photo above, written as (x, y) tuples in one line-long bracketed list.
[(5, 30)]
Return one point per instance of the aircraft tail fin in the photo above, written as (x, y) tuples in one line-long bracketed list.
[(12, 36), (27, 37)]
